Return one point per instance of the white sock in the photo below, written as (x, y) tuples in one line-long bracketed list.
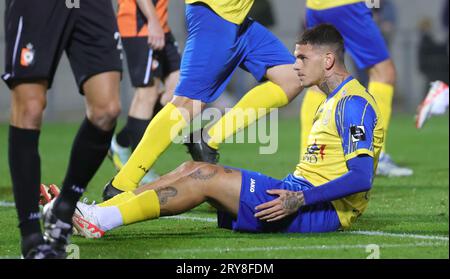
[(109, 218)]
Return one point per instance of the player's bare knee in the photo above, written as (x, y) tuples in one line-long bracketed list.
[(205, 174), (293, 90), (28, 113), (188, 167), (384, 72), (104, 117), (286, 78)]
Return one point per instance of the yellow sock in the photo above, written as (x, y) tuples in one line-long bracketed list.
[(383, 94), (310, 104), (118, 199), (265, 96), (144, 206), (159, 134)]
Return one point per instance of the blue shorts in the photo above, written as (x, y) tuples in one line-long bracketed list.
[(215, 48), (310, 219), (362, 37)]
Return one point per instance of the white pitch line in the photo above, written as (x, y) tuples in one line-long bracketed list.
[(192, 218), (369, 233), (291, 248), (401, 235), (6, 204)]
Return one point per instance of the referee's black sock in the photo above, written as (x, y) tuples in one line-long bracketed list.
[(25, 168), (136, 127), (136, 130), (89, 149), (123, 137)]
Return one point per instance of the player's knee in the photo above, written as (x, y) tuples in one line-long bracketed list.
[(28, 114), (189, 166), (106, 116), (293, 90), (384, 72), (290, 85)]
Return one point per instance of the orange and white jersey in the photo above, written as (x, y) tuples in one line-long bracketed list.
[(133, 23)]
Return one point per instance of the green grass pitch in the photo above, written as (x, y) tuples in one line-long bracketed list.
[(407, 217)]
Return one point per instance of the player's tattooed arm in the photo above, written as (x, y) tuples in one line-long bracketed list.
[(287, 203)]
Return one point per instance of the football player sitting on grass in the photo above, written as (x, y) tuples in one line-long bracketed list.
[(327, 192)]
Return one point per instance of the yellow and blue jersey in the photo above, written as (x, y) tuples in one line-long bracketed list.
[(234, 11), (328, 4), (346, 125)]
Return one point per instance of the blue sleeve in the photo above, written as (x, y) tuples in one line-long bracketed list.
[(355, 121), (358, 179)]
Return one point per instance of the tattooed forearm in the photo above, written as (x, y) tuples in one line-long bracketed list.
[(203, 175), (165, 193), (293, 201)]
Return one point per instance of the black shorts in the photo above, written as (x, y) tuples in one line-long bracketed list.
[(141, 57), (37, 33)]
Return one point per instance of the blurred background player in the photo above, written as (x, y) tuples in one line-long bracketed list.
[(152, 55), (365, 43), (221, 38), (37, 33), (435, 103), (329, 189)]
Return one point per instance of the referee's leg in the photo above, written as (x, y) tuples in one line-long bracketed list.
[(28, 101), (92, 141)]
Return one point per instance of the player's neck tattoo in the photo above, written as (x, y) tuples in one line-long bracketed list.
[(329, 84)]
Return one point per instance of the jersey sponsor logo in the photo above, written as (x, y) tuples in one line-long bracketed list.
[(313, 152), (252, 185), (358, 133), (27, 55)]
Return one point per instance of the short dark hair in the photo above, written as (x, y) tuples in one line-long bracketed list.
[(324, 35)]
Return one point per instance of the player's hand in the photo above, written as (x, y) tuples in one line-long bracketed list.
[(156, 37), (287, 203)]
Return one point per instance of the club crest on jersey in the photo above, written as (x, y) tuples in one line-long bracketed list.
[(358, 133), (27, 55)]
